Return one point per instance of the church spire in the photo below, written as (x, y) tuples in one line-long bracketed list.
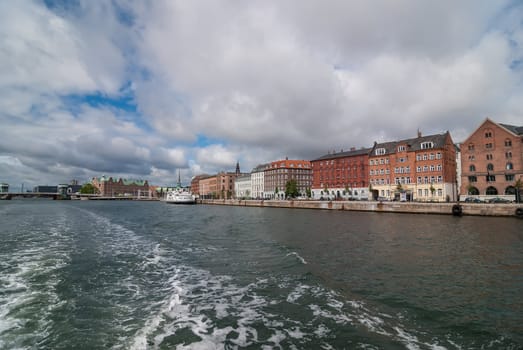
[(237, 168)]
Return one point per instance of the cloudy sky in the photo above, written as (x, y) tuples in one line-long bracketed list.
[(142, 89)]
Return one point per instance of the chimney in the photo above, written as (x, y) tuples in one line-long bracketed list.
[(419, 133)]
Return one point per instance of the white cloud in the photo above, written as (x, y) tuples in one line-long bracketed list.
[(257, 80)]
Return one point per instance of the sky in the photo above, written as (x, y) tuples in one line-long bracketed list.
[(148, 89)]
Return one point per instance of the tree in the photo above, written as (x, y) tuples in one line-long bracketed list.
[(308, 192), (519, 187), (432, 190), (291, 189), (88, 188)]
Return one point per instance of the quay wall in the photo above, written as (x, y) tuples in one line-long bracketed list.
[(479, 209)]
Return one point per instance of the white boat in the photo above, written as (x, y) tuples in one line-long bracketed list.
[(180, 196)]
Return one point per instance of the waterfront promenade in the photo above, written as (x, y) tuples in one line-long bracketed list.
[(480, 209)]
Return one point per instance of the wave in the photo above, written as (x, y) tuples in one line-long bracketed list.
[(302, 260)]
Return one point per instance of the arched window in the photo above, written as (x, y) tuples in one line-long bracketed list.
[(473, 190), (490, 166), (472, 167), (509, 166), (510, 190), (491, 190)]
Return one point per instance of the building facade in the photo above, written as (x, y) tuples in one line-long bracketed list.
[(109, 187), (492, 160), (243, 187), (207, 188), (258, 181), (278, 173), (342, 175), (421, 169)]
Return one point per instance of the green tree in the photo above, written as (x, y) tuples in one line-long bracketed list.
[(88, 188), (308, 192), (291, 189), (519, 187)]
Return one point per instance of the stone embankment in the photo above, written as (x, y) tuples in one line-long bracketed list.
[(458, 209)]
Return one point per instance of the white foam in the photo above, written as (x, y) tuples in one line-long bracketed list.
[(302, 260)]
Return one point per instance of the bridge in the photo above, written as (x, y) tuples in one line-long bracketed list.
[(11, 195)]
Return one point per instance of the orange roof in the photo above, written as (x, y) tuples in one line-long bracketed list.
[(291, 164)]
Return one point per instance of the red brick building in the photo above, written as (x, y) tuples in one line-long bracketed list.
[(109, 187), (278, 173), (341, 175), (421, 168), (492, 160)]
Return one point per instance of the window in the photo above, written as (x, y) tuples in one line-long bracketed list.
[(380, 151), (510, 166), (439, 167), (438, 155), (401, 148), (419, 179), (440, 192), (425, 157), (472, 167), (472, 157), (508, 143), (425, 168), (490, 166), (432, 168), (509, 177), (473, 179), (418, 157), (488, 134), (402, 160), (426, 145), (471, 147), (508, 155), (488, 145), (431, 157), (491, 178), (489, 156)]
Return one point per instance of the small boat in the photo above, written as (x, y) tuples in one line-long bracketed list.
[(180, 196)]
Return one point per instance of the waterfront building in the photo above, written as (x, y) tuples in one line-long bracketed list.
[(109, 187), (243, 187), (421, 168), (257, 181), (4, 188), (207, 187), (45, 189), (195, 183), (278, 173), (342, 175), (492, 160)]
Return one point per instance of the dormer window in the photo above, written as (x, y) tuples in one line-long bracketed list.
[(380, 151), (426, 145), (401, 148)]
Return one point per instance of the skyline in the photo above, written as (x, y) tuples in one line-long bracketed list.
[(141, 90)]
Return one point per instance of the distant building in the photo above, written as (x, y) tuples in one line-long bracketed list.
[(341, 175), (492, 160), (109, 187), (278, 173), (421, 169), (243, 186), (4, 188), (45, 189), (257, 181)]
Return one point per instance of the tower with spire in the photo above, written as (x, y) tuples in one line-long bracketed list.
[(238, 169)]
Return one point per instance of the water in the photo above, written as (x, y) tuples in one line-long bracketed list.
[(133, 275)]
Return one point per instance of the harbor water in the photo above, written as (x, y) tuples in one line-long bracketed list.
[(148, 275)]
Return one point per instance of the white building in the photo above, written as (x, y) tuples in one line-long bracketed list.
[(242, 187), (257, 181)]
